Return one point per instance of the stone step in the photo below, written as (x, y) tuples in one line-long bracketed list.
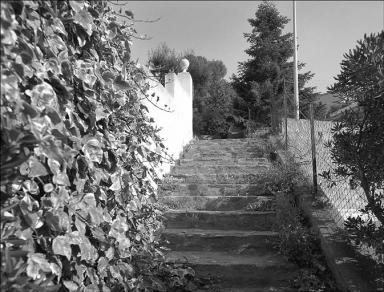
[(235, 241), (219, 203), (268, 288), (202, 219), (258, 270), (219, 169), (222, 147), (246, 162), (212, 142), (221, 178), (229, 151), (217, 155), (212, 189)]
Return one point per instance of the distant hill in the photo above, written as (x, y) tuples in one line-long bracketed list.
[(331, 101)]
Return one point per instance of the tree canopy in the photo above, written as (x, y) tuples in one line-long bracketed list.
[(358, 140), (358, 136), (259, 81), (213, 97)]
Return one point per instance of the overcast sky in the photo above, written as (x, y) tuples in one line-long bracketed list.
[(214, 29)]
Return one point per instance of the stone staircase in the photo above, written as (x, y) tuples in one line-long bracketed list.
[(221, 218)]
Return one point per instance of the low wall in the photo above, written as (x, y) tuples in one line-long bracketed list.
[(171, 108), (346, 201)]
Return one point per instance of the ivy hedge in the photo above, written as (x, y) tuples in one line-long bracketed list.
[(77, 174)]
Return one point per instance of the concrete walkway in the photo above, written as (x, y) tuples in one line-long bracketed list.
[(221, 219)]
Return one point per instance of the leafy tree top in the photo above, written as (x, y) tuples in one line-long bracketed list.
[(358, 140), (269, 48), (362, 70)]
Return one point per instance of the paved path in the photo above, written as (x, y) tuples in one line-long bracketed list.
[(222, 219)]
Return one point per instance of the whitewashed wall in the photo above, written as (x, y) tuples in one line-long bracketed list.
[(171, 108)]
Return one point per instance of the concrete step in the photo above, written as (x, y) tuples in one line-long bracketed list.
[(258, 270), (211, 189), (268, 288), (246, 162), (245, 141), (239, 220), (224, 155), (229, 152), (234, 241), (219, 169), (219, 203), (219, 178)]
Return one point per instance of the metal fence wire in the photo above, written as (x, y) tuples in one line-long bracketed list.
[(344, 200)]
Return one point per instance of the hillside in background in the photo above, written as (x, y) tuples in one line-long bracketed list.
[(331, 101)]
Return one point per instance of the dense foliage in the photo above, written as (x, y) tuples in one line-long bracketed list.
[(77, 179), (260, 80), (163, 60), (358, 137), (213, 97), (213, 112)]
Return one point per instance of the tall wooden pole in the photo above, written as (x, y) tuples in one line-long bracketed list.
[(285, 116), (313, 144), (295, 74)]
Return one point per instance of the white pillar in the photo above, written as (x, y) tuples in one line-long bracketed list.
[(185, 81)]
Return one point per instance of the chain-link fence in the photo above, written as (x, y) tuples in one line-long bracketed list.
[(345, 200)]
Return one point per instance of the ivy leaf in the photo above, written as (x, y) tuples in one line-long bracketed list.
[(36, 168), (25, 51), (101, 113), (62, 246), (120, 84), (116, 185), (29, 110), (57, 221), (125, 268), (43, 95), (110, 253), (70, 285), (118, 227), (102, 266), (31, 187), (37, 262), (80, 226), (108, 76), (92, 149), (48, 188), (88, 252), (61, 179), (115, 272), (58, 26), (85, 19), (76, 5)]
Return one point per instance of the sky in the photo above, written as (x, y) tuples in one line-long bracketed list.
[(214, 29)]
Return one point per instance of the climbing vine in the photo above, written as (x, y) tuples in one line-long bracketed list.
[(77, 172)]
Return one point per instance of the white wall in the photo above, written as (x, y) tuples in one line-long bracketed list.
[(171, 108)]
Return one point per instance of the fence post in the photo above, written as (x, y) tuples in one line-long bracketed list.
[(314, 168), (285, 116)]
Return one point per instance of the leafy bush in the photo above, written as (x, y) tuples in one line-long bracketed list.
[(213, 97), (163, 60), (357, 146), (296, 240), (77, 178)]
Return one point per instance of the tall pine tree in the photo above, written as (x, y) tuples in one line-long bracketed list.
[(259, 80)]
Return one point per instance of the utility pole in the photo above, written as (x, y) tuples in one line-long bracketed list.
[(295, 77)]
